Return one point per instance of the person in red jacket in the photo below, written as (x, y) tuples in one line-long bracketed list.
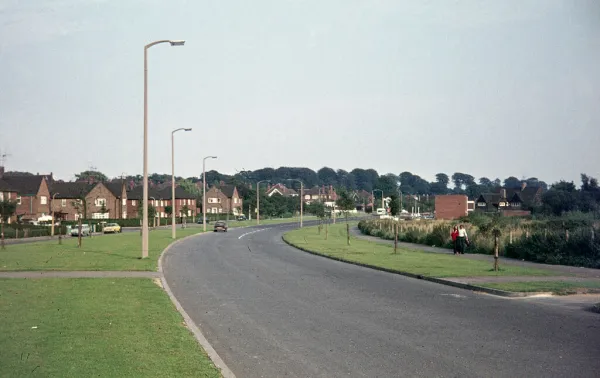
[(454, 235)]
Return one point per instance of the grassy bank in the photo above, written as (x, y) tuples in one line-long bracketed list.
[(409, 261), (556, 287), (94, 327)]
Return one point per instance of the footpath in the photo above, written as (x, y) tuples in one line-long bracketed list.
[(563, 272)]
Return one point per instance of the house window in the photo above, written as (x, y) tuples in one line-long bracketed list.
[(124, 216), (124, 202), (133, 203), (1, 196), (100, 202), (100, 216), (18, 200), (515, 204), (220, 210), (43, 200), (481, 204), (63, 202)]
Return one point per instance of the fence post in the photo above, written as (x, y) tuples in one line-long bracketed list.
[(510, 237), (593, 234), (567, 235), (545, 233)]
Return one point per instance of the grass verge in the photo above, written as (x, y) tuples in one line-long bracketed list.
[(95, 327), (108, 252), (556, 287), (406, 260)]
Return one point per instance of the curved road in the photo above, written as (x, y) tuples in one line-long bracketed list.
[(270, 310)]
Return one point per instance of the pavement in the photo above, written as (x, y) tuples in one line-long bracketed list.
[(271, 310)]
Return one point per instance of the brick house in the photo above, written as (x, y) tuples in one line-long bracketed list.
[(326, 194), (64, 195), (30, 192), (451, 206), (107, 201), (160, 199), (223, 200), (510, 201), (281, 190)]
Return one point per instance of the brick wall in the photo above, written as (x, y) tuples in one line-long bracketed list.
[(113, 204), (452, 206)]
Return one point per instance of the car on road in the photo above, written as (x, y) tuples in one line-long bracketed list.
[(241, 218), (85, 230), (220, 226), (111, 228), (201, 221)]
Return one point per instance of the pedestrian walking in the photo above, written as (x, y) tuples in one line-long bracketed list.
[(462, 239), (454, 236)]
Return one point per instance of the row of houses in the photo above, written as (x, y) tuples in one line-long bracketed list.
[(38, 196), (324, 193), (506, 201)]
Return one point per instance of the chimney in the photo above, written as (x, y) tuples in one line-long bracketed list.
[(523, 185), (503, 192), (1, 172)]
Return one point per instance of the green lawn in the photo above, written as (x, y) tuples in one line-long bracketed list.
[(94, 327), (108, 252), (557, 287), (410, 261)]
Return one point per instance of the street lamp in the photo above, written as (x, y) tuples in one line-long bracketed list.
[(258, 201), (301, 198), (145, 240), (154, 217), (52, 208), (173, 235), (378, 190), (204, 190)]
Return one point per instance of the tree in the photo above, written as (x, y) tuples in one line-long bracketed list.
[(461, 181), (388, 184), (394, 204), (512, 182), (442, 179), (7, 210), (91, 176), (346, 203), (493, 228), (327, 176)]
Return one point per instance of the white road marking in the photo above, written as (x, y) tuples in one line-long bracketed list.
[(252, 232), (455, 295)]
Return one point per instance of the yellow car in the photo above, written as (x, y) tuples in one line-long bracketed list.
[(111, 228)]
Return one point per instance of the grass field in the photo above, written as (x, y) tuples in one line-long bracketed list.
[(556, 287), (107, 252), (409, 261), (94, 327)]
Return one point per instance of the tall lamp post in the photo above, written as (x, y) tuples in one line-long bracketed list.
[(258, 201), (204, 190), (301, 198), (145, 233), (52, 208), (378, 190), (173, 234)]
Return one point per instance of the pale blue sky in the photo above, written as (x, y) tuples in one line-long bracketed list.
[(490, 88)]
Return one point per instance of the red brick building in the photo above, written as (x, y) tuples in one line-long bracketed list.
[(451, 206)]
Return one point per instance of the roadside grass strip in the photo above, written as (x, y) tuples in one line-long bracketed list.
[(555, 287), (405, 260)]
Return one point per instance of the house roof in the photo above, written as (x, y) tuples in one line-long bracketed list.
[(137, 193), (490, 198), (116, 188), (69, 190), (228, 190), (24, 185), (180, 193), (284, 190)]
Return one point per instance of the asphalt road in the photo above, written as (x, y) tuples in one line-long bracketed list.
[(270, 310)]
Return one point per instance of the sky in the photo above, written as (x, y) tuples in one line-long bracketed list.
[(490, 88)]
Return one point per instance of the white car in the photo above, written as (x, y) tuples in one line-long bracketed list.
[(85, 230)]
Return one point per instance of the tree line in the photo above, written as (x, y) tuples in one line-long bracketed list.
[(560, 197)]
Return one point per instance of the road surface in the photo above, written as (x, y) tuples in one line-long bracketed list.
[(270, 310)]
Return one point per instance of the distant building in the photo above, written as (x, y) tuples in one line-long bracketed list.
[(451, 206)]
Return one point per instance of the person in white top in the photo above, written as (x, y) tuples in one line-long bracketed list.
[(462, 239)]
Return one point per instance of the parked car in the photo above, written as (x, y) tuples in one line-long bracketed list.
[(201, 221), (111, 228), (220, 226), (241, 217), (85, 230)]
